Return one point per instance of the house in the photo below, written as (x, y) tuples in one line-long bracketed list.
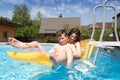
[(6, 29), (108, 24), (99, 25), (51, 25), (118, 19)]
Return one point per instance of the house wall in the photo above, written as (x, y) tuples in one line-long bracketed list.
[(118, 21), (8, 29)]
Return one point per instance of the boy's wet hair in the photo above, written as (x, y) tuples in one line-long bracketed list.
[(60, 32)]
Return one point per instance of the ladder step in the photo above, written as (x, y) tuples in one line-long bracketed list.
[(85, 66), (82, 68), (89, 63), (104, 44)]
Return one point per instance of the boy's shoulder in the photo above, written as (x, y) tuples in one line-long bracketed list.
[(69, 44), (57, 45)]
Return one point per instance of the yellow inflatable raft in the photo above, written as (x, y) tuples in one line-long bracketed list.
[(84, 45), (42, 59)]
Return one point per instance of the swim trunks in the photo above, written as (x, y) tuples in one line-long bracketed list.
[(54, 64)]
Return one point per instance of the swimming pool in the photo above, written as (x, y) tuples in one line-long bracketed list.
[(107, 68)]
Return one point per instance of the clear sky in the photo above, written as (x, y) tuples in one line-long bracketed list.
[(68, 8)]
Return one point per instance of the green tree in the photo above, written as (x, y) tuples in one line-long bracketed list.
[(35, 27), (30, 27), (39, 17), (67, 27), (5, 19), (29, 31), (118, 31), (21, 15), (107, 33), (85, 33)]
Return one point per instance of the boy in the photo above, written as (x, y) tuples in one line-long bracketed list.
[(61, 53)]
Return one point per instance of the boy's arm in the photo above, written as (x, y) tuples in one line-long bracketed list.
[(69, 56), (52, 52)]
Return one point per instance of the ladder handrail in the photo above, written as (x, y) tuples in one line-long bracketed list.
[(115, 27), (94, 19), (103, 30), (103, 27)]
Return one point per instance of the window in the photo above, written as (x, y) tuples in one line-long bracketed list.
[(4, 34)]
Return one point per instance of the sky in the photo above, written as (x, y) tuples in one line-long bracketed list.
[(68, 8)]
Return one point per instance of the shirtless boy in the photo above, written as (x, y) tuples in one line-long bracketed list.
[(60, 53)]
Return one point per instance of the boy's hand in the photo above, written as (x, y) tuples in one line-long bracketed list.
[(69, 57)]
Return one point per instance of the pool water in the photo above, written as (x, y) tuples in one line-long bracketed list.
[(107, 68)]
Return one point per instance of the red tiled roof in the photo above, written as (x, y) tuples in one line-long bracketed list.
[(99, 25), (9, 23)]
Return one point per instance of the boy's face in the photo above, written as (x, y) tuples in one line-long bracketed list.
[(63, 39)]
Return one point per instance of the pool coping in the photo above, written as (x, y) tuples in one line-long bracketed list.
[(7, 43), (4, 43)]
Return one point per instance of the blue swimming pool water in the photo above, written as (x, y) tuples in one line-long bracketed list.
[(107, 68)]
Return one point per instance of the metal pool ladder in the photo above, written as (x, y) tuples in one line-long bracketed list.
[(101, 43)]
